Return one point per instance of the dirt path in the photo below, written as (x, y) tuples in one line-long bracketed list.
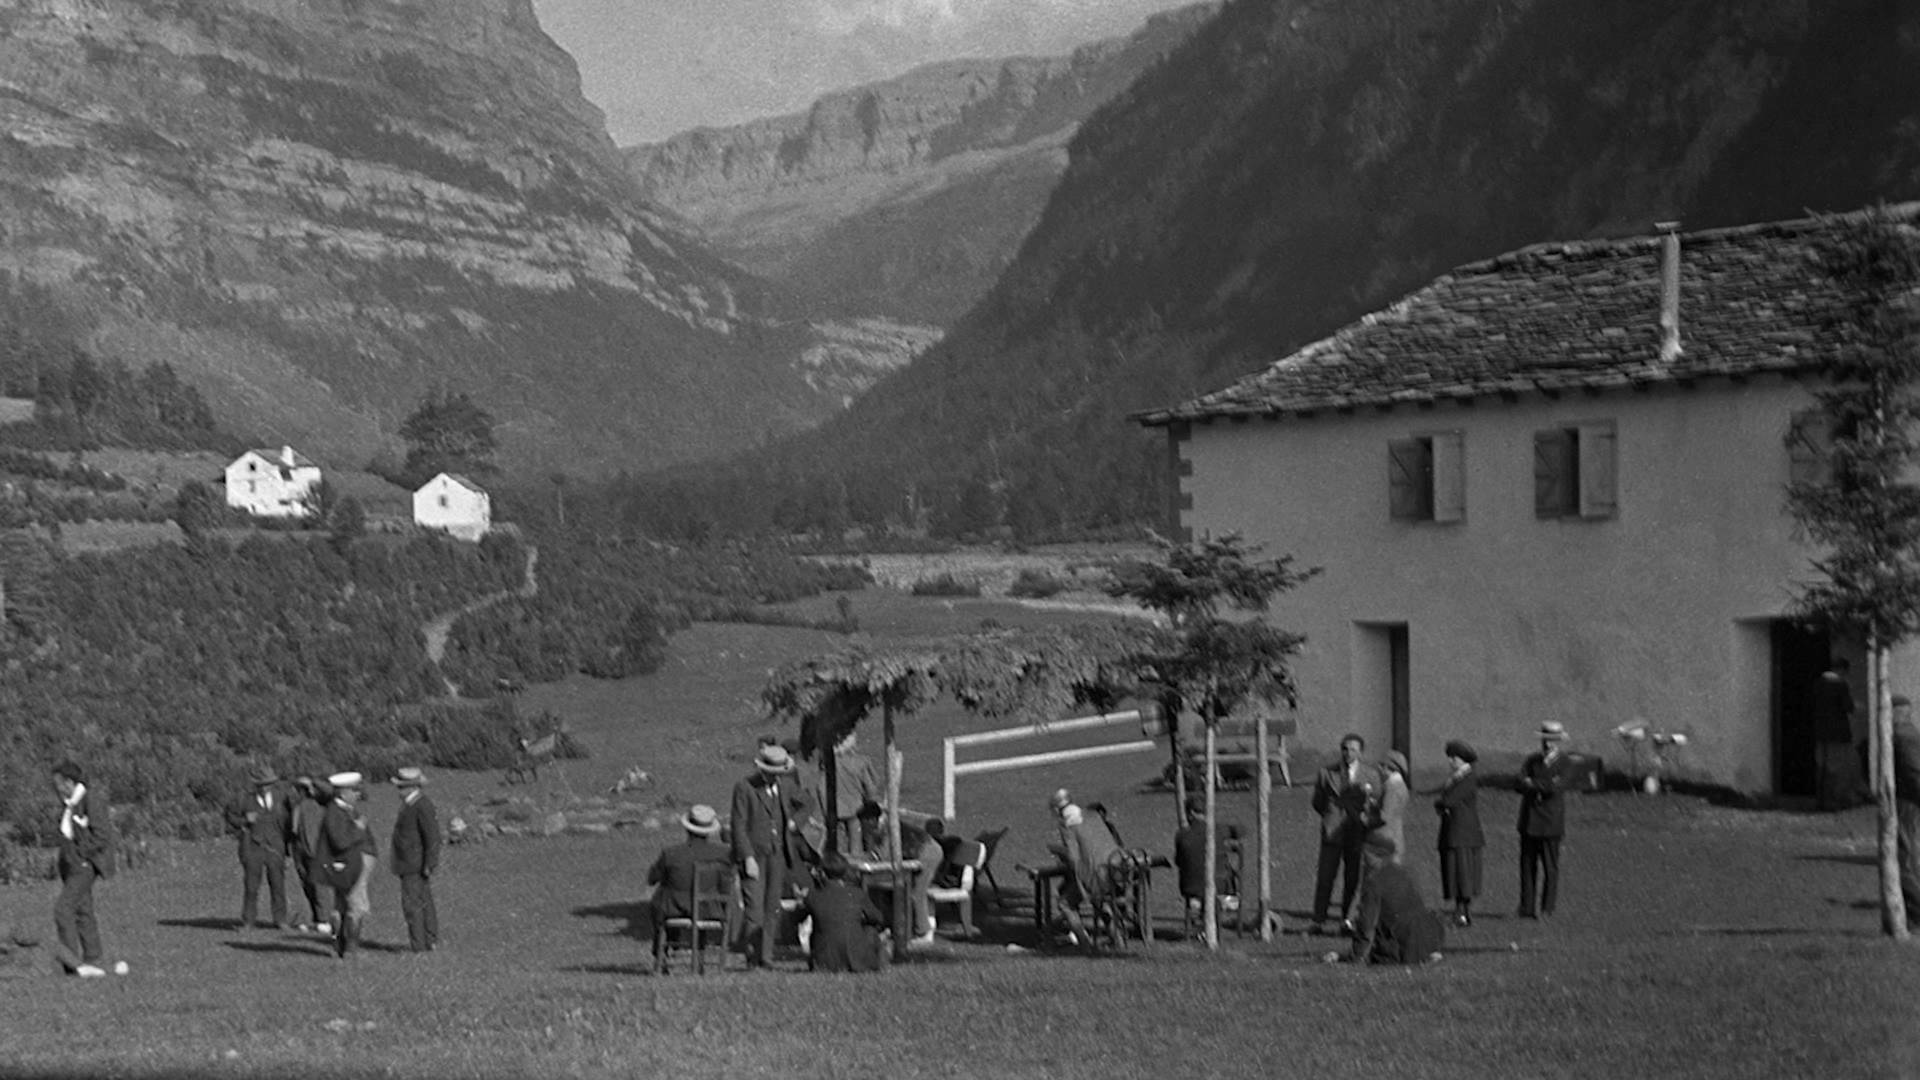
[(438, 629)]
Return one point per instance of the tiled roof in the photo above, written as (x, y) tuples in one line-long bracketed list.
[(463, 482), (272, 455), (1564, 316)]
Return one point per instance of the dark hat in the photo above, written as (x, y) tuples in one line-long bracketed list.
[(262, 775), (71, 770), (1460, 749)]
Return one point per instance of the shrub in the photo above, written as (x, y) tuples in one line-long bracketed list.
[(1036, 584), (945, 585)]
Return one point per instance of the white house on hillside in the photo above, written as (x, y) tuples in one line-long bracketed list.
[(1549, 486), (453, 503), (271, 483)]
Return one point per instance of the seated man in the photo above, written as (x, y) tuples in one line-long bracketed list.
[(1394, 925), (672, 873), (846, 924), (1190, 857), (918, 843)]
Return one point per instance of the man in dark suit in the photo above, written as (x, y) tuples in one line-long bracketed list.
[(1340, 796), (1544, 780), (769, 810), (343, 856), (262, 822), (416, 858), (673, 870), (846, 923), (87, 841), (1834, 735)]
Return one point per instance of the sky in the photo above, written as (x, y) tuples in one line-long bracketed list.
[(659, 67)]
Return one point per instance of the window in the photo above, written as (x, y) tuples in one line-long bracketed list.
[(1425, 478), (1573, 471), (443, 502), (1809, 440)]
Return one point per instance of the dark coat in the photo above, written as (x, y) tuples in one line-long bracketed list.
[(1342, 806), (416, 839), (262, 833), (1543, 796), (1394, 925), (1833, 709), (672, 874), (95, 841), (759, 825), (1190, 856), (846, 928), (343, 840), (1459, 807)]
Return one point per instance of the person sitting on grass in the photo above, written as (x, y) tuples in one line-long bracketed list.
[(1393, 925), (846, 924), (1190, 858)]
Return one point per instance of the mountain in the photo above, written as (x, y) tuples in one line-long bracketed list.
[(903, 198), (1296, 164), (318, 210)]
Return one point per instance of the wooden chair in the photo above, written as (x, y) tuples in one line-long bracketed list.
[(990, 840), (711, 901), (1126, 911), (969, 858)]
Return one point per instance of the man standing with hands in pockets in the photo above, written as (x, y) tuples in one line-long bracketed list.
[(416, 858), (769, 808), (262, 821)]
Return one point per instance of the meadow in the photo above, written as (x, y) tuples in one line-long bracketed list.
[(1694, 940)]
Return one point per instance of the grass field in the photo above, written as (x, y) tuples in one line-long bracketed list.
[(1693, 941)]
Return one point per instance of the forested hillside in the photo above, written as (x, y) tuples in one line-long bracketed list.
[(1295, 165)]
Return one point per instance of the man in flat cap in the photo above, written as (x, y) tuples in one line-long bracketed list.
[(416, 858), (770, 808), (1544, 780), (262, 822)]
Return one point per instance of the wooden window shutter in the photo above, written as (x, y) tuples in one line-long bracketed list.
[(1409, 480), (1449, 476), (1598, 470), (1552, 473), (1809, 438)]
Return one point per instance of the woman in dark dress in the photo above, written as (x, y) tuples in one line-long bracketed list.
[(1461, 839)]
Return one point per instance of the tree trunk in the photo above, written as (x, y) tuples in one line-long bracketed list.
[(1893, 905), (1263, 900), (1211, 897), (1179, 767), (900, 931), (830, 770)]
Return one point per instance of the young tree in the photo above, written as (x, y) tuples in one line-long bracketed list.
[(1218, 664), (447, 433), (1864, 513)]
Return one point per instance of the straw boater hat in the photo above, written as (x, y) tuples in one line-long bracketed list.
[(773, 760), (409, 776), (1553, 729), (341, 780), (262, 775), (701, 820)]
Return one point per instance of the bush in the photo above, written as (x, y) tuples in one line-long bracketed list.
[(1036, 584), (945, 585)]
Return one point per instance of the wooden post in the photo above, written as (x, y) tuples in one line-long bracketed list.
[(830, 769), (1264, 899), (1893, 905), (1212, 895), (900, 931), (1179, 770), (947, 778)]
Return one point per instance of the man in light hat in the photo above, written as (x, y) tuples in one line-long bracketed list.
[(415, 853), (262, 822), (673, 870), (769, 810), (345, 854), (1544, 780)]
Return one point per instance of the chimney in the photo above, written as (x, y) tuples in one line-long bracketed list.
[(286, 456), (1669, 290)]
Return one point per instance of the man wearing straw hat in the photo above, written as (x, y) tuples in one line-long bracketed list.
[(673, 870), (262, 822), (1543, 821), (769, 809), (416, 858)]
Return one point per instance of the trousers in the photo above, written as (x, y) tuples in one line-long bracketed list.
[(73, 921), (1539, 873), (416, 906)]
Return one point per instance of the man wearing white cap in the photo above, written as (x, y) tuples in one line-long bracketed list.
[(673, 870), (345, 854), (1544, 780), (769, 809), (415, 852)]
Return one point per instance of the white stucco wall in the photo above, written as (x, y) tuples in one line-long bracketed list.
[(1659, 612), (441, 503), (261, 487)]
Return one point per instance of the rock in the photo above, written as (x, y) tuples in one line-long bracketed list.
[(553, 824)]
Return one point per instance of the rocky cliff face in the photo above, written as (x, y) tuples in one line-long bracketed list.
[(905, 197), (318, 209)]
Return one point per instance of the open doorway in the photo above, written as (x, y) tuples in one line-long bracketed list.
[(1383, 684), (1800, 654)]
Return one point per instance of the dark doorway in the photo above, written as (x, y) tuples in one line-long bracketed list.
[(1402, 689), (1800, 654)]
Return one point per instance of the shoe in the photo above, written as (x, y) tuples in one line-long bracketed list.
[(89, 971), (120, 967)]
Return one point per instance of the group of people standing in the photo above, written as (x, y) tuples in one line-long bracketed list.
[(1362, 810), (320, 825)]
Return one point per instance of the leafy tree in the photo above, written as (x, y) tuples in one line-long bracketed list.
[(448, 432), (1865, 512), (1214, 665), (347, 522), (196, 508)]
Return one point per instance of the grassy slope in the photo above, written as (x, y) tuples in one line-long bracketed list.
[(1694, 942)]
